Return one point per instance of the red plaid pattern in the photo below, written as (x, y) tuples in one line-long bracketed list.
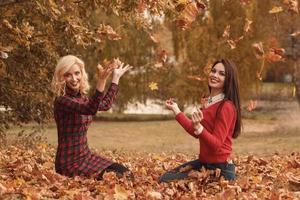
[(73, 115)]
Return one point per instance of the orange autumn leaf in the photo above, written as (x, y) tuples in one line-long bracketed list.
[(252, 105), (162, 56), (189, 14), (275, 54), (292, 5), (107, 31)]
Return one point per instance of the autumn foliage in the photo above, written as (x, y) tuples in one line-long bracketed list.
[(28, 173)]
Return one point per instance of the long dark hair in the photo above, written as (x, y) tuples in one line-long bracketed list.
[(231, 91)]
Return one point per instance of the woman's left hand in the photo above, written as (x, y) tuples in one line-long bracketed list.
[(119, 70), (196, 119)]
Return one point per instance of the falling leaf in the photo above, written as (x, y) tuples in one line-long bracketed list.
[(232, 44), (189, 14), (258, 75), (275, 54), (162, 56), (247, 26), (153, 86), (226, 32), (106, 30), (158, 65), (154, 37), (292, 5), (276, 9), (3, 55), (252, 105), (259, 50), (295, 33)]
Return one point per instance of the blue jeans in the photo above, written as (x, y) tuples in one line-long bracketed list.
[(227, 170)]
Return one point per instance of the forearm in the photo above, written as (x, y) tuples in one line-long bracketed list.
[(109, 98), (101, 85), (186, 123)]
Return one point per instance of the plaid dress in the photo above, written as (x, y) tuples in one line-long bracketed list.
[(73, 115)]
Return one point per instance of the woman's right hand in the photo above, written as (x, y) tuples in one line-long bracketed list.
[(104, 73), (171, 105)]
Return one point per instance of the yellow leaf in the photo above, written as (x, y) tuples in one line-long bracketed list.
[(154, 195), (276, 9), (153, 86), (120, 193)]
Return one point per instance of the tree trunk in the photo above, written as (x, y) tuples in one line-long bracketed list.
[(297, 79)]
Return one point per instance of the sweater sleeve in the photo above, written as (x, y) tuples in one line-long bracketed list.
[(68, 104), (186, 123), (109, 97), (222, 128)]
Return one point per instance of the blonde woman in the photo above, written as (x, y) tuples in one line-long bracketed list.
[(73, 113)]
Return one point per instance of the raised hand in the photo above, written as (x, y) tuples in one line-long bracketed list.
[(196, 119), (119, 70), (103, 73), (171, 105)]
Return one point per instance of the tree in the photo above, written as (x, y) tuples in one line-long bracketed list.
[(34, 34)]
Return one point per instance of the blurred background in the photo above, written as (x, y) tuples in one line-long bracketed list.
[(172, 45)]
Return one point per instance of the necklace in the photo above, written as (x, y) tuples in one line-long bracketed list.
[(214, 99)]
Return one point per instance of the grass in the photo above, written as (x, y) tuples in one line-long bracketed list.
[(268, 130), (169, 136)]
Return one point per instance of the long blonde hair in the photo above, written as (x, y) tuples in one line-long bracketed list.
[(64, 64)]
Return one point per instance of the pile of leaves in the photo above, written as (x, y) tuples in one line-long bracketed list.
[(28, 173)]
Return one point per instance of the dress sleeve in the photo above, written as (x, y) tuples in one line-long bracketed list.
[(109, 97), (224, 126), (89, 107), (186, 123)]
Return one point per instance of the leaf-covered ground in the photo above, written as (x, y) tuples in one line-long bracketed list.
[(28, 173)]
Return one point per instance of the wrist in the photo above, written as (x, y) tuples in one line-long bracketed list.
[(176, 111), (115, 80), (198, 131)]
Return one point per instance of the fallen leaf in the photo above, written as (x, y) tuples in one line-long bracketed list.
[(120, 193), (154, 195)]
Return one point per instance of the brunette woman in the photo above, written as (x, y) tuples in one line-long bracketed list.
[(214, 126)]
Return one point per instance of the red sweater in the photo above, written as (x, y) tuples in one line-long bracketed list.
[(215, 139)]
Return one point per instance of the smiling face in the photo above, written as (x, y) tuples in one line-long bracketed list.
[(73, 77), (216, 79)]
